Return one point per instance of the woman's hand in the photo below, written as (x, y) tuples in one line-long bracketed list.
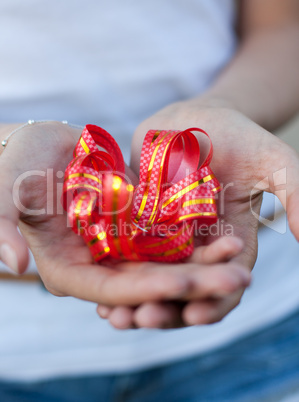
[(247, 159), (209, 265), (32, 167)]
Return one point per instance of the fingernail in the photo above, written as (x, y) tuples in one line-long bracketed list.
[(9, 257), (194, 318), (104, 311)]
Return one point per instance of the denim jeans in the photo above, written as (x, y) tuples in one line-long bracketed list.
[(261, 367)]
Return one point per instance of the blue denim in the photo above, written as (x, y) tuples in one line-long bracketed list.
[(260, 367)]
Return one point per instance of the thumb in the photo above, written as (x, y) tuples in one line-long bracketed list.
[(13, 247), (284, 183)]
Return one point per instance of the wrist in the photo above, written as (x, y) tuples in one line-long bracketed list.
[(70, 132), (5, 130), (214, 100)]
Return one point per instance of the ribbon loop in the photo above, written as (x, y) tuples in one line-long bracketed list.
[(155, 220)]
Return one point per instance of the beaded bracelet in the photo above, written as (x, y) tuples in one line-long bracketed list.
[(30, 123)]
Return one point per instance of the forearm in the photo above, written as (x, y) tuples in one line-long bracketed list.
[(262, 81)]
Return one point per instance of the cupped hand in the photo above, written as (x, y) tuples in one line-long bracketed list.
[(32, 167), (247, 161), (218, 289)]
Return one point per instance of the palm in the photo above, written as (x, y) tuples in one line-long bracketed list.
[(244, 154), (63, 260), (47, 233)]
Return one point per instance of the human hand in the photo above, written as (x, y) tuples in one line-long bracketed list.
[(63, 260), (246, 158), (213, 296)]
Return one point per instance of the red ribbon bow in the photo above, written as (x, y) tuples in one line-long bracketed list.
[(154, 220)]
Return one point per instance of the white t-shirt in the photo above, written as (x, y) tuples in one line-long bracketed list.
[(113, 64)]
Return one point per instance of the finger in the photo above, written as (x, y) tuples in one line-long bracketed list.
[(293, 213), (215, 280), (241, 221), (220, 250), (13, 247), (122, 317), (283, 180), (158, 315), (104, 311), (107, 286), (210, 311)]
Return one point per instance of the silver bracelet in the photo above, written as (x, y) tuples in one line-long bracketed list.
[(30, 123)]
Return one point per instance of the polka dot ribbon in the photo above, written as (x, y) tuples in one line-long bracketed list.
[(154, 220)]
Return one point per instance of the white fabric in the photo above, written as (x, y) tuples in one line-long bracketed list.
[(110, 63), (113, 64)]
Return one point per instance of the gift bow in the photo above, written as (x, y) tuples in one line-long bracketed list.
[(153, 221)]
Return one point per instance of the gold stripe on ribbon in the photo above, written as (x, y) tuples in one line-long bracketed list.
[(156, 135), (105, 251), (86, 175), (151, 165), (89, 208), (116, 184), (154, 211), (78, 207), (74, 161), (82, 185), (197, 215), (100, 236), (175, 250), (77, 211), (84, 146), (129, 239), (148, 178), (165, 241), (216, 189), (199, 201), (188, 188)]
